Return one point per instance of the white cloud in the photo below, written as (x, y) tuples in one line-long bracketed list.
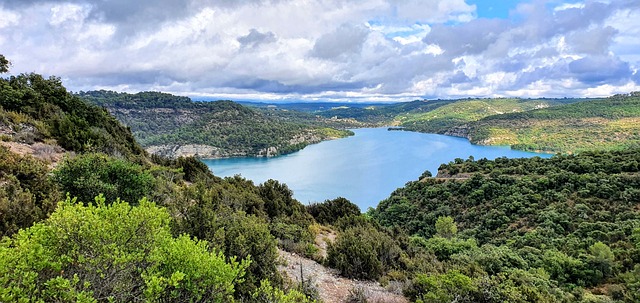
[(9, 18), (335, 49)]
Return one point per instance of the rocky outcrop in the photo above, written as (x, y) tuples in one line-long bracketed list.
[(188, 150), (268, 152), (459, 131)]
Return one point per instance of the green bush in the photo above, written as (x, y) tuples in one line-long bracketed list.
[(27, 194), (363, 253), (330, 211), (86, 176), (112, 252), (245, 237)]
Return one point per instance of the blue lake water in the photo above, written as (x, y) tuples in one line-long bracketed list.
[(364, 168)]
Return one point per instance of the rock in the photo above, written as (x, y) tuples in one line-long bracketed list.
[(189, 150), (268, 152), (459, 131)]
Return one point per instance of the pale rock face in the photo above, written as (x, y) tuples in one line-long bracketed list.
[(268, 152), (458, 131), (189, 150)]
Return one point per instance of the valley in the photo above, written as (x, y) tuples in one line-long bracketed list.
[(88, 215)]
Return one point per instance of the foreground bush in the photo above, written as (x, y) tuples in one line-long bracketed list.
[(111, 253)]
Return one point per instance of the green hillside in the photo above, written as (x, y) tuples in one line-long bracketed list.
[(602, 124), (457, 113), (551, 125), (159, 119), (567, 229)]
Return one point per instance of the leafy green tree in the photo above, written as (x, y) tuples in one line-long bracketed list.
[(279, 203), (563, 268), (245, 237), (354, 255), (444, 248), (446, 227), (363, 252), (112, 253), (601, 259)]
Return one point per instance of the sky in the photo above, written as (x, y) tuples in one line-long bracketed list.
[(329, 50)]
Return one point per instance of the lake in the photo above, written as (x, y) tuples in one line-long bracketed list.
[(364, 168)]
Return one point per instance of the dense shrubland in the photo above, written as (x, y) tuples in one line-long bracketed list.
[(46, 111), (559, 229)]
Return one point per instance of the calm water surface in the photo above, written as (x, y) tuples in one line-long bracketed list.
[(364, 168)]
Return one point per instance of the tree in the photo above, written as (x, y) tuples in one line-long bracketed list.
[(363, 252), (446, 227), (451, 286), (4, 64), (601, 258)]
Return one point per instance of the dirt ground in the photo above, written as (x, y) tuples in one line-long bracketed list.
[(49, 153), (332, 287)]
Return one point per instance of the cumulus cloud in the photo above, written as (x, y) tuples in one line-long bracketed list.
[(327, 49)]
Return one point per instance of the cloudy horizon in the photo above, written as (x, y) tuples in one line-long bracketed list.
[(329, 50)]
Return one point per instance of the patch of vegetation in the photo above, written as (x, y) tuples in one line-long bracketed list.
[(27, 193), (115, 253)]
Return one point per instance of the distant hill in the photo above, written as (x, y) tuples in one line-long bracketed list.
[(600, 124), (565, 125), (175, 126), (436, 116), (441, 119), (384, 114)]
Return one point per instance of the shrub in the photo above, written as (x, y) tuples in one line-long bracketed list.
[(330, 211), (110, 253), (86, 176)]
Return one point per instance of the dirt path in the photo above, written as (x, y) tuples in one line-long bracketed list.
[(332, 287)]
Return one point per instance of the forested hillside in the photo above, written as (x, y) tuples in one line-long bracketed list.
[(37, 109), (550, 125), (164, 123), (538, 230)]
